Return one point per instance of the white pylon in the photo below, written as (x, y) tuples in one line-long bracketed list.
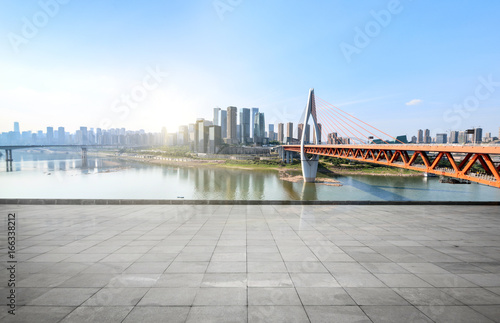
[(309, 165)]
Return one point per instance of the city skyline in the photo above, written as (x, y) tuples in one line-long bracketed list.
[(77, 64), (474, 135)]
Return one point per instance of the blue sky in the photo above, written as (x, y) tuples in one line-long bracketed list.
[(415, 64)]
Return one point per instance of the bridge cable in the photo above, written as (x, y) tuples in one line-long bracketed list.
[(359, 120), (340, 118)]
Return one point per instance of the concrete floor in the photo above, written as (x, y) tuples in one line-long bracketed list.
[(209, 263)]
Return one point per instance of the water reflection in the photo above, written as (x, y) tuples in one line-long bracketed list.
[(50, 166), (115, 178), (309, 191), (289, 189)]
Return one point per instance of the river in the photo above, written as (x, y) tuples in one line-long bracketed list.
[(62, 175)]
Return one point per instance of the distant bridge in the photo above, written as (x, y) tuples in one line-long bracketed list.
[(8, 150), (418, 157)]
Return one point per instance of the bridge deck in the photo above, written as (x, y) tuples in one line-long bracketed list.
[(417, 157)]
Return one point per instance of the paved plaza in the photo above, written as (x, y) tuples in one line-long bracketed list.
[(253, 263)]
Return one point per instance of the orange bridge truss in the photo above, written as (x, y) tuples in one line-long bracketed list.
[(461, 158)]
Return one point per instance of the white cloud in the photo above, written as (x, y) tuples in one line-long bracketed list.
[(414, 102)]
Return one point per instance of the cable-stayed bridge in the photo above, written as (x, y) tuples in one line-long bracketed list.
[(362, 142)]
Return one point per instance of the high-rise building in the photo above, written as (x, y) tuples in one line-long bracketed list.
[(281, 132), (420, 137), (164, 136), (201, 135), (17, 134), (259, 129), (245, 126), (183, 135), (252, 122), (427, 136), (319, 134), (478, 136), (289, 131), (453, 139), (441, 138), (333, 139), (50, 135), (171, 139), (99, 136), (223, 123), (271, 132), (214, 139), (84, 135), (232, 137), (61, 140), (216, 116), (300, 130), (462, 137), (191, 133)]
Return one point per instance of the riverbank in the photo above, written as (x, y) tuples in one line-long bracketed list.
[(324, 168)]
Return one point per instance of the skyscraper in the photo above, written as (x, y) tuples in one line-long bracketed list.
[(252, 122), (216, 116), (84, 135), (453, 139), (462, 137), (201, 135), (427, 136), (223, 123), (164, 136), (231, 125), (17, 133), (183, 135), (420, 136), (214, 139), (259, 129), (441, 138), (61, 140), (271, 132), (289, 131), (50, 135), (300, 130), (281, 132), (245, 125), (478, 135)]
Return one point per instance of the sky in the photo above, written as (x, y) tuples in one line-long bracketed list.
[(399, 66)]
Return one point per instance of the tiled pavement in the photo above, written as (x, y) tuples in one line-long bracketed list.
[(237, 263)]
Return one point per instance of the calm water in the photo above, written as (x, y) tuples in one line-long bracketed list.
[(62, 175)]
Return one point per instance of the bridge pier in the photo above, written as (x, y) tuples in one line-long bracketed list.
[(8, 159), (309, 168), (288, 157)]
